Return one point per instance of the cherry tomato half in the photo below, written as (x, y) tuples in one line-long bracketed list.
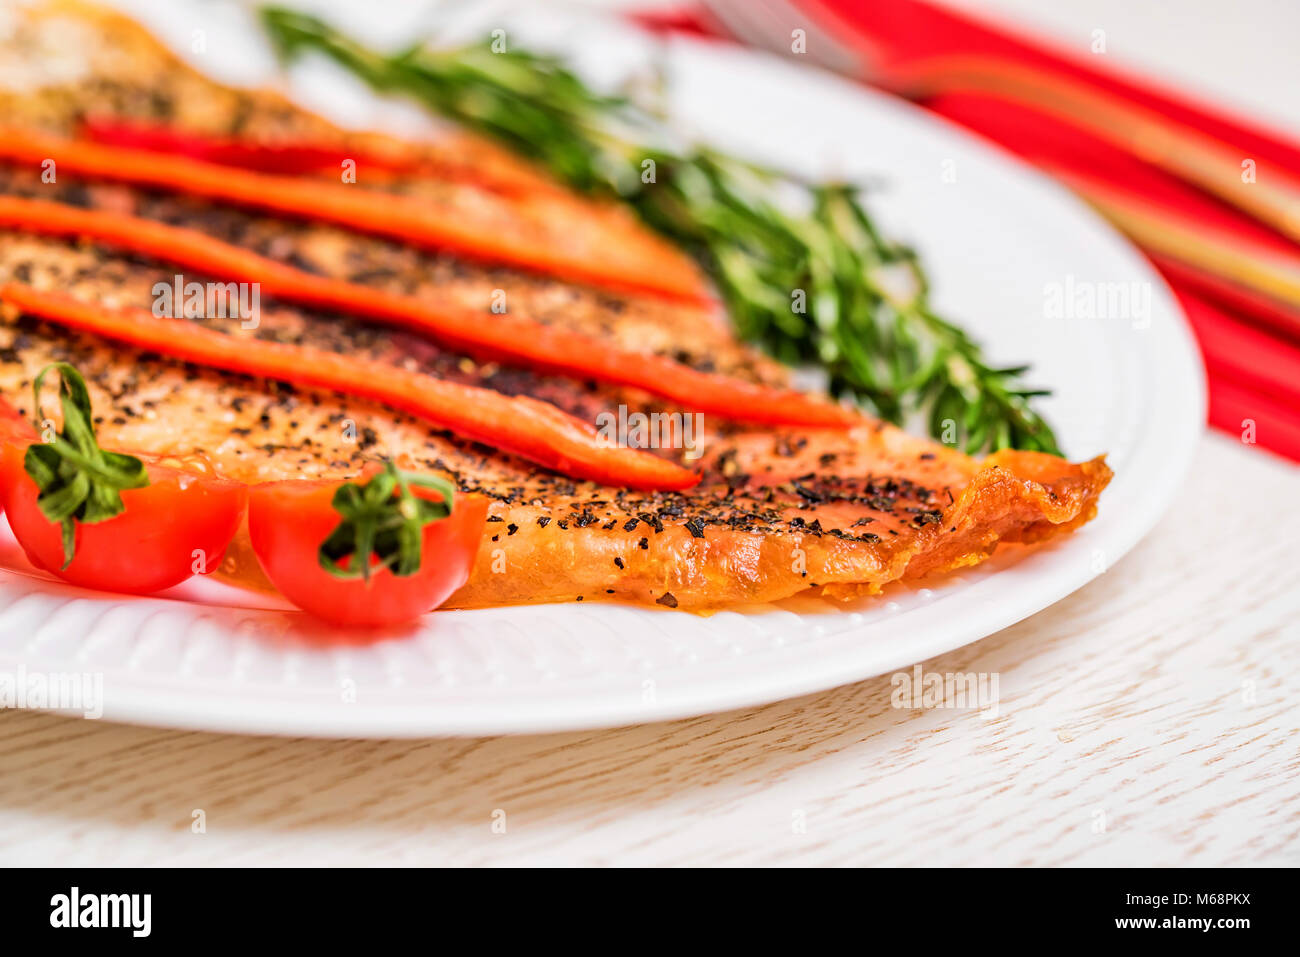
[(13, 429), (176, 526), (288, 521)]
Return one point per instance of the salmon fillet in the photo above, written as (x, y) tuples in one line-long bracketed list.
[(67, 59), (777, 512), (66, 62)]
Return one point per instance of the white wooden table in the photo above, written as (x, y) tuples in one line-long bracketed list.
[(1150, 718)]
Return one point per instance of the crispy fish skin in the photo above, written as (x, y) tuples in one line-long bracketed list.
[(720, 545), (777, 512)]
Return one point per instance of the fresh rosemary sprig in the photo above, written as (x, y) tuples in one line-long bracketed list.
[(385, 519), (812, 280), (79, 481)]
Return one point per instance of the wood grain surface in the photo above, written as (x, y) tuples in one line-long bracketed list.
[(1150, 718)]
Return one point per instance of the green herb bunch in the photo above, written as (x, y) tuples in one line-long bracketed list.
[(383, 523), (808, 280)]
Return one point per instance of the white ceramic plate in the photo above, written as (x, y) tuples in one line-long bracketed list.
[(996, 237)]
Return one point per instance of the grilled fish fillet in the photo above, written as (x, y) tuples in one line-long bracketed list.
[(777, 512)]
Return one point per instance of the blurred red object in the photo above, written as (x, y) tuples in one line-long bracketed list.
[(1109, 135)]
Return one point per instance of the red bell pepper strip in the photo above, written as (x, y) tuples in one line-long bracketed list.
[(286, 159), (500, 234), (520, 425), (466, 163), (510, 337)]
